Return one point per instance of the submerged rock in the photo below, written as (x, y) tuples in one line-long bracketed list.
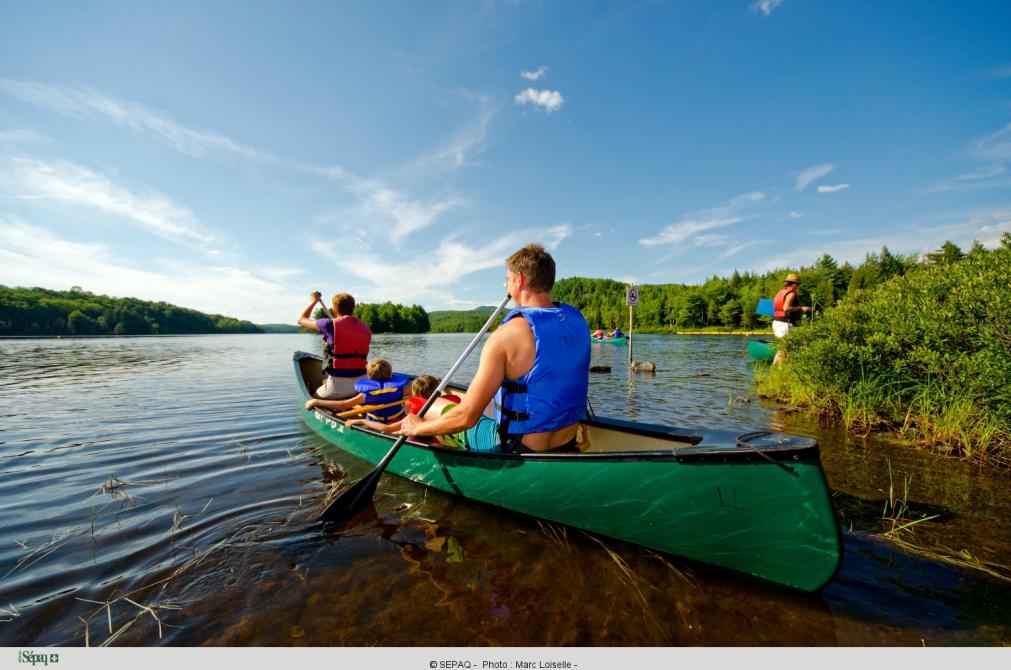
[(644, 366)]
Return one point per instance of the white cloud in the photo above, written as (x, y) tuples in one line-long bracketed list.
[(534, 75), (702, 220), (796, 215), (989, 228), (1000, 72), (996, 145), (990, 151), (991, 177), (808, 175), (833, 188), (551, 101), (376, 199), (919, 237), (983, 173), (67, 183), (738, 248), (32, 256), (468, 140), (427, 275), (765, 6), (86, 103), (383, 213), (21, 136)]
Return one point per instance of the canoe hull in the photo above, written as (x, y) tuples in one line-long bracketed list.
[(618, 341), (761, 350), (753, 517)]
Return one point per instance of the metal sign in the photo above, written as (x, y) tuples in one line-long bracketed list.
[(632, 296)]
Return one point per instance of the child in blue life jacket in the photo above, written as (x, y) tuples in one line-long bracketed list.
[(421, 389), (381, 392)]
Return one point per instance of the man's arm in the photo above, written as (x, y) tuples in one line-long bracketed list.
[(490, 373), (304, 319)]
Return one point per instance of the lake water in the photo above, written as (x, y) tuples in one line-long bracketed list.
[(161, 491)]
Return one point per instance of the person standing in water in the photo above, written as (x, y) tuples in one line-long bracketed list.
[(786, 312)]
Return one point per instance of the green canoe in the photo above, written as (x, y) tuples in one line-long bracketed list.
[(760, 349), (756, 503), (614, 340)]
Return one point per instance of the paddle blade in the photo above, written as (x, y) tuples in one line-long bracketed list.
[(352, 500), (764, 307)]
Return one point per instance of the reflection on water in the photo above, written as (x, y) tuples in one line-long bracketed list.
[(164, 491)]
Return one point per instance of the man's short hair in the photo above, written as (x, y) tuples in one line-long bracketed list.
[(343, 304), (424, 386), (536, 264), (379, 369)]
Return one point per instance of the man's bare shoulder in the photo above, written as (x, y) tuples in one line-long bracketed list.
[(510, 331)]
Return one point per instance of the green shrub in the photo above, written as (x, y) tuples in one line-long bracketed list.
[(929, 351)]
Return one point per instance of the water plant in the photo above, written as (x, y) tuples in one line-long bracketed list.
[(927, 354)]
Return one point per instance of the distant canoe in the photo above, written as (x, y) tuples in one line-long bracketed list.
[(615, 340), (755, 502), (761, 349)]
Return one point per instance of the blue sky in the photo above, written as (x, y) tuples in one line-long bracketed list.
[(234, 156)]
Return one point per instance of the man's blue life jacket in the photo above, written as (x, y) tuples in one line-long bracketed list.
[(553, 394)]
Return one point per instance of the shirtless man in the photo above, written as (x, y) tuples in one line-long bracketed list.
[(535, 365)]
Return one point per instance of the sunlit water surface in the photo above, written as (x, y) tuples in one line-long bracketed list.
[(162, 491)]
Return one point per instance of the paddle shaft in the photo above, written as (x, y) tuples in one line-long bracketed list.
[(325, 310), (350, 501)]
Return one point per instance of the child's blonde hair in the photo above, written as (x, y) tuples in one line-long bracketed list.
[(379, 370), (424, 385)]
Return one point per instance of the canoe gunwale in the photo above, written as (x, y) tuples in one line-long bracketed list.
[(801, 450)]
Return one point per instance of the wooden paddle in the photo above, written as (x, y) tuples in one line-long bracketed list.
[(355, 497)]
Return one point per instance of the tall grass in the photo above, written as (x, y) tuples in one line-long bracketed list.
[(927, 355)]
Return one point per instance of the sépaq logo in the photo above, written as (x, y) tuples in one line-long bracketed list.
[(36, 658)]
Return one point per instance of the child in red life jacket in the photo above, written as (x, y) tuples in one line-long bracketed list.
[(422, 388)]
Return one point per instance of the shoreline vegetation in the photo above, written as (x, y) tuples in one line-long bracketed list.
[(925, 355)]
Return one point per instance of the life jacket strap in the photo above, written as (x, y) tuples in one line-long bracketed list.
[(514, 387)]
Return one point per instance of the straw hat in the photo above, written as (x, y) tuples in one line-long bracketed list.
[(792, 277)]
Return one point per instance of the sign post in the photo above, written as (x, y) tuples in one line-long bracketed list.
[(632, 299)]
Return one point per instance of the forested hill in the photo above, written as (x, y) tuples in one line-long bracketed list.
[(39, 311), (451, 321)]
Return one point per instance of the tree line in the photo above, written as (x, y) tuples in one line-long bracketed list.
[(729, 302), (39, 311), (724, 302), (388, 317)]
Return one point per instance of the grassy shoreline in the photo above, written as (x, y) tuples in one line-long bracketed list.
[(926, 356), (948, 423)]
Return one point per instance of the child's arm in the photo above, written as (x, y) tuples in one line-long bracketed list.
[(374, 425), (335, 405)]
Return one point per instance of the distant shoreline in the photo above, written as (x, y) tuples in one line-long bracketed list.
[(93, 337), (722, 332)]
